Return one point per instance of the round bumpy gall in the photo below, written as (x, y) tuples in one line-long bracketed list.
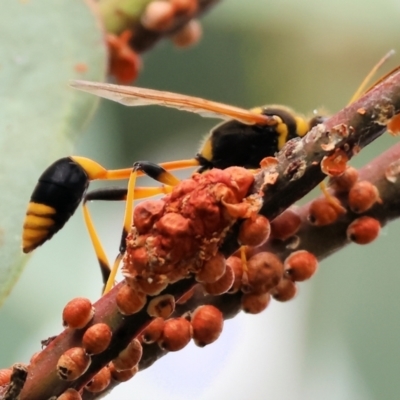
[(207, 323), (300, 265), (100, 381), (254, 231), (255, 303), (97, 338), (78, 313), (363, 230), (129, 357), (73, 364), (265, 270), (176, 335), (129, 301)]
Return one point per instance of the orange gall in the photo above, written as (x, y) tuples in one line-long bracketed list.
[(344, 182), (153, 331), (255, 303), (129, 357), (285, 290), (362, 196), (96, 338), (77, 313), (100, 381), (363, 230), (212, 269), (254, 231), (324, 212), (285, 225), (264, 271), (73, 363), (176, 334), (5, 376), (223, 284), (207, 323), (123, 376), (300, 265), (129, 301)]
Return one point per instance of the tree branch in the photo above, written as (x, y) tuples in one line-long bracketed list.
[(296, 173)]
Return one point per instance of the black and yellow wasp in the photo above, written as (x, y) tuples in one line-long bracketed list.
[(244, 139)]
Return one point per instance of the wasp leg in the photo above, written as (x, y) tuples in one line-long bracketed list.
[(361, 89), (156, 172), (111, 194)]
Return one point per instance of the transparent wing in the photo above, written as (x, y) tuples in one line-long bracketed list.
[(135, 96)]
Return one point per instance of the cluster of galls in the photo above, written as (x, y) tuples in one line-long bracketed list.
[(357, 197), (160, 16), (203, 325), (179, 236), (264, 276)]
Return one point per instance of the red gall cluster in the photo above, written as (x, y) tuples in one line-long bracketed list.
[(179, 236), (204, 326), (357, 197), (265, 276), (74, 362)]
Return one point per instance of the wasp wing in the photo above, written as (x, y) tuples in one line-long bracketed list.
[(135, 96)]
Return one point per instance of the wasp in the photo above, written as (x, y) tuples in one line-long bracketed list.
[(243, 139)]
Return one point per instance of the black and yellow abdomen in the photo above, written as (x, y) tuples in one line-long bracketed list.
[(55, 198)]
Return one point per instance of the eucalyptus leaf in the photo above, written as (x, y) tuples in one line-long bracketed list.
[(43, 45)]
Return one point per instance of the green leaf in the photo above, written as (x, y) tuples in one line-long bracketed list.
[(43, 44)]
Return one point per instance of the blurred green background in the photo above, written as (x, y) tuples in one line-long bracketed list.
[(339, 338)]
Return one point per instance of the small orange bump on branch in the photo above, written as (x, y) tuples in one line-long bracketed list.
[(254, 231), (285, 225), (255, 303), (176, 334), (363, 230), (5, 376), (129, 357), (212, 270), (78, 313), (300, 265), (123, 376), (129, 301), (344, 182), (324, 212), (70, 394), (207, 323), (335, 164), (100, 381), (265, 270), (96, 338), (285, 290), (393, 126), (237, 268), (73, 363), (153, 331), (223, 284), (362, 196)]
